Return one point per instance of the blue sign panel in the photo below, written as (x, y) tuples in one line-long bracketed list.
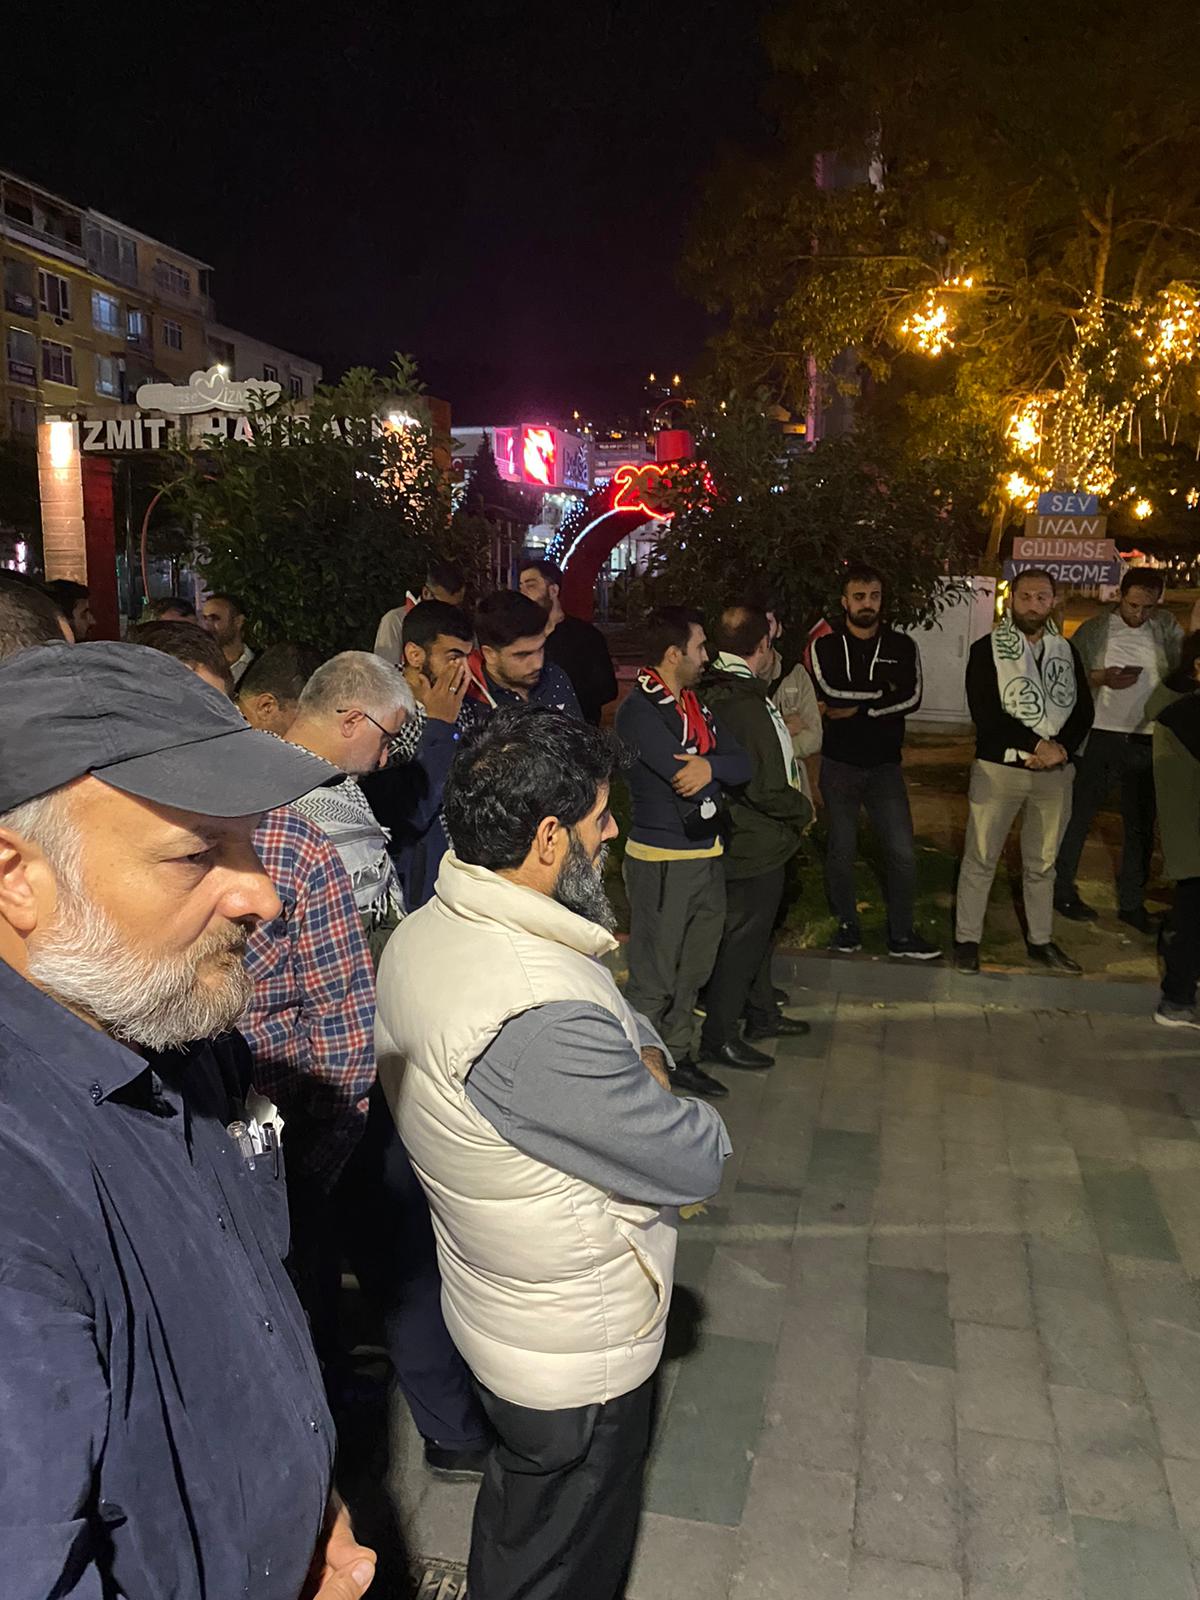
[(1062, 503), (1081, 574)]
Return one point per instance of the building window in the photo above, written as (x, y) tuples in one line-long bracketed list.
[(174, 278), (22, 419), (108, 377), (111, 254), (58, 363), (22, 357), (270, 373), (296, 387), (19, 294), (106, 312), (138, 327), (172, 334), (55, 294)]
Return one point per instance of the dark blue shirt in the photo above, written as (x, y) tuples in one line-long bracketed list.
[(163, 1430), (553, 688)]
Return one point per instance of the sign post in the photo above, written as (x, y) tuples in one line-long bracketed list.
[(1067, 537)]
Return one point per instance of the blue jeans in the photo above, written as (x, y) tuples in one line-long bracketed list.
[(882, 793)]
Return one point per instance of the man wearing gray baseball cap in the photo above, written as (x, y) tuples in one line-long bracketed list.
[(163, 1427)]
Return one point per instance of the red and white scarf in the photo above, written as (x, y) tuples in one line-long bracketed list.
[(699, 731)]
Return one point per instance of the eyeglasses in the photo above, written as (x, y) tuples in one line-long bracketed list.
[(388, 733)]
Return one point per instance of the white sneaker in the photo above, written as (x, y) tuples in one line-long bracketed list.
[(1172, 1016)]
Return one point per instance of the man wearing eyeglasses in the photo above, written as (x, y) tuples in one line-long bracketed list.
[(350, 712)]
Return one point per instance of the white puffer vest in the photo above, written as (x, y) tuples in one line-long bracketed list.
[(555, 1292)]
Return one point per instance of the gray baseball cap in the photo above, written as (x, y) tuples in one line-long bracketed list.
[(144, 723)]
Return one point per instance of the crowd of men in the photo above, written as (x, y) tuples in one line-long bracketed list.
[(304, 962)]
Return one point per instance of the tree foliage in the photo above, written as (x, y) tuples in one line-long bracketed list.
[(1011, 189), (328, 516), (753, 523)]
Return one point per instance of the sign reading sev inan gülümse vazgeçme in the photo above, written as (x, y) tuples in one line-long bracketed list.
[(1066, 536)]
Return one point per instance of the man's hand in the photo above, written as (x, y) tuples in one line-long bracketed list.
[(342, 1568), (837, 713), (1049, 754), (656, 1065), (695, 773), (796, 722), (444, 696), (1114, 677)]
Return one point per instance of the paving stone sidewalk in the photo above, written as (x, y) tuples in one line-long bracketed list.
[(938, 1337)]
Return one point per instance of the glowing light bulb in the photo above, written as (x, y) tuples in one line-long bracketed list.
[(1142, 509)]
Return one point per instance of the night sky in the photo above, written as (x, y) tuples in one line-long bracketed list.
[(502, 190)]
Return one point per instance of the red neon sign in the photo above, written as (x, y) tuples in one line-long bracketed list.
[(637, 488), (538, 455)]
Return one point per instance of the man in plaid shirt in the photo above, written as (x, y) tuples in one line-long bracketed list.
[(311, 1022)]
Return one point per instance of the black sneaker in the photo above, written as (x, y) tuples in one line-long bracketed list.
[(966, 955), (1052, 958), (1138, 917), (914, 948), (1075, 910), (687, 1078), (846, 940), (454, 1466), (1171, 1015)]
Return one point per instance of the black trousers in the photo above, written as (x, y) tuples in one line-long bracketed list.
[(741, 978), (1181, 945), (378, 1219), (557, 1513), (1126, 760)]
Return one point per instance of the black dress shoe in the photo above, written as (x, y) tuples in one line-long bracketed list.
[(777, 1028), (739, 1054), (1140, 919), (1052, 958), (454, 1466), (1076, 910), (688, 1078), (966, 955)]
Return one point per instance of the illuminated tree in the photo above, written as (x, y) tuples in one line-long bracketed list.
[(995, 208), (326, 519), (752, 522)]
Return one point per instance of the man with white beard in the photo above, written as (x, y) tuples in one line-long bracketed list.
[(162, 1424)]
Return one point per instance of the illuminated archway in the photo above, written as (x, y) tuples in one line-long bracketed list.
[(613, 513)]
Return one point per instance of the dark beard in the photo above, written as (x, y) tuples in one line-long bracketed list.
[(580, 885), (864, 619), (1029, 625)]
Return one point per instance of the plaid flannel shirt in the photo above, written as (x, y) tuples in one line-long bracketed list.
[(311, 1022)]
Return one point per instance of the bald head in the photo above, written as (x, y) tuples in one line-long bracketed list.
[(744, 631)]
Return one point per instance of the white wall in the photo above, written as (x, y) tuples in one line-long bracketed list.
[(944, 648)]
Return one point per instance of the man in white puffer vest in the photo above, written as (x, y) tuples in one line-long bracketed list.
[(535, 1106)]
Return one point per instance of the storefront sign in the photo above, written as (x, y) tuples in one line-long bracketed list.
[(213, 390)]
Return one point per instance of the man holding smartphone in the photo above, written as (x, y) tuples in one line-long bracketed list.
[(1126, 651)]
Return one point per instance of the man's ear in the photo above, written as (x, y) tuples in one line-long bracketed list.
[(412, 655), (25, 880), (545, 845), (490, 655)]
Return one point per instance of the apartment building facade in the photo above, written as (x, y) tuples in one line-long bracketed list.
[(246, 358), (92, 308)]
